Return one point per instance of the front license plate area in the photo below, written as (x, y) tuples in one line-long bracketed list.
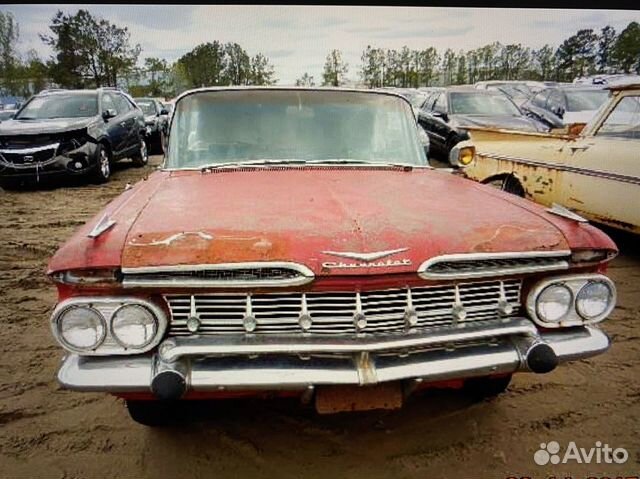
[(334, 399)]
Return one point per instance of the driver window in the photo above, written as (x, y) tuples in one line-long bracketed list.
[(108, 103), (624, 120), (440, 104)]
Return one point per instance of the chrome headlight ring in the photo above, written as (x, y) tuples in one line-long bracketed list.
[(107, 307), (575, 284)]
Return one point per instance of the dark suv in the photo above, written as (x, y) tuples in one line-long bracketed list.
[(71, 132)]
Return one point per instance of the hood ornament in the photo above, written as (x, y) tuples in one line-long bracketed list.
[(365, 256)]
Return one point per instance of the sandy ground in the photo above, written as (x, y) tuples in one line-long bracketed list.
[(48, 432)]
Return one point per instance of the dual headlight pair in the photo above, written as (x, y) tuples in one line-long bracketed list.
[(108, 326), (571, 300)]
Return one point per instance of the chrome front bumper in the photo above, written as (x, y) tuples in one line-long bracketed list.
[(217, 363)]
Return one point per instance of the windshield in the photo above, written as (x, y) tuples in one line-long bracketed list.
[(215, 127), (471, 103), (514, 91), (147, 107), (581, 100), (72, 105), (416, 99)]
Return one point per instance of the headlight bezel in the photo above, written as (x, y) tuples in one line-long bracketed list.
[(107, 306), (574, 283), (60, 336), (119, 339)]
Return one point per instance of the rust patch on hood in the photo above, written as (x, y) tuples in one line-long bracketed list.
[(518, 238)]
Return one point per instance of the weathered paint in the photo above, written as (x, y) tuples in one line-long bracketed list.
[(597, 176), (295, 214)]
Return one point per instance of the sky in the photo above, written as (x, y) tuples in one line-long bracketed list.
[(297, 39)]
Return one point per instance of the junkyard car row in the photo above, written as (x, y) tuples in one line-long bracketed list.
[(301, 255), (75, 133)]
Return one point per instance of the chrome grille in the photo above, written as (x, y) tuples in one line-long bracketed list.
[(233, 275), (458, 266), (335, 312)]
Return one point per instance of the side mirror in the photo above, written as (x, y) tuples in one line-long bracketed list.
[(441, 114), (164, 111), (108, 114), (558, 111)]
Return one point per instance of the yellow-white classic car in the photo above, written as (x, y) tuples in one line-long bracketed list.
[(592, 170)]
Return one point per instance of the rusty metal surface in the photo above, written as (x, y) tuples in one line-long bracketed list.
[(596, 176), (334, 399)]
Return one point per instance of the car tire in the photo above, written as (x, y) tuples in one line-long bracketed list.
[(486, 387), (102, 171), (141, 157), (153, 413), (508, 184)]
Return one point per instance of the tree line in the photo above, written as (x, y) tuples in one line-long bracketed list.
[(89, 51), (587, 52), (92, 52)]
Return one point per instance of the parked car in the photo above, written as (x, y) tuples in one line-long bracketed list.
[(448, 113), (612, 80), (7, 114), (156, 117), (279, 249), (595, 173), (563, 105), (522, 86), (71, 132)]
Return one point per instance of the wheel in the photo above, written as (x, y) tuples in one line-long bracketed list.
[(508, 184), (486, 387), (151, 413), (102, 172), (141, 157)]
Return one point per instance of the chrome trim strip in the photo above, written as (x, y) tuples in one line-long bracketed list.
[(109, 345), (306, 273), (365, 256), (177, 347), (562, 167), (423, 273), (134, 374), (26, 151), (574, 282)]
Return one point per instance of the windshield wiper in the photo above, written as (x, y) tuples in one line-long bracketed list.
[(347, 161), (236, 164)]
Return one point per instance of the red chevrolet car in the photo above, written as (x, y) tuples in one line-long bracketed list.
[(296, 241)]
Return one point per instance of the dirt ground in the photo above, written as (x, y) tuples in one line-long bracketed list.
[(48, 432)]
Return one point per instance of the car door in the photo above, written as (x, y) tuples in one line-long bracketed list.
[(434, 124), (128, 118), (116, 131), (602, 176)]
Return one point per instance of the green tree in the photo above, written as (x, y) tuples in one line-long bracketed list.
[(626, 50), (157, 72), (262, 72), (427, 66), (238, 65), (544, 62), (606, 42), (203, 66), (335, 69), (372, 69), (448, 66), (577, 55), (9, 61), (305, 80), (461, 72), (88, 50)]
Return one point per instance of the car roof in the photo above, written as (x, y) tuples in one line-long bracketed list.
[(635, 85), (379, 91)]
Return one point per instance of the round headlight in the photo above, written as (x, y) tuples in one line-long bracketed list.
[(81, 328), (593, 299), (133, 326), (554, 303)]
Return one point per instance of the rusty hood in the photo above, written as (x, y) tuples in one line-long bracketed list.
[(318, 216)]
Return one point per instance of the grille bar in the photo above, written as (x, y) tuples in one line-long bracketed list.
[(385, 311)]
